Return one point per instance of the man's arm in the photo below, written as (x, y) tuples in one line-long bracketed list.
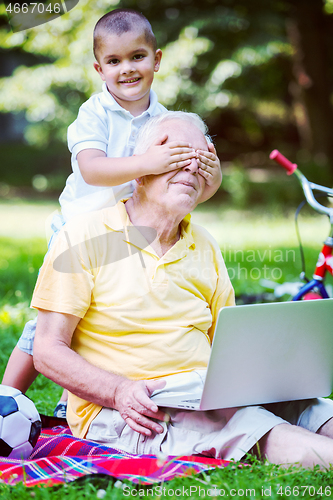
[(54, 358), (99, 170)]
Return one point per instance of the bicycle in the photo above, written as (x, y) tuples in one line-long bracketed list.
[(314, 288)]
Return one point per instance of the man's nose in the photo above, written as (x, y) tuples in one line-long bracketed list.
[(193, 167)]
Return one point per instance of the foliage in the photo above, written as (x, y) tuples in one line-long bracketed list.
[(210, 54), (231, 61)]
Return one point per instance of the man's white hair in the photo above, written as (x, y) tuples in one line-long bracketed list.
[(151, 130)]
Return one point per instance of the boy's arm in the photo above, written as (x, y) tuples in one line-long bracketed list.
[(99, 170), (210, 169)]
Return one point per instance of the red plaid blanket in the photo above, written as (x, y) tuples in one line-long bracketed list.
[(60, 458)]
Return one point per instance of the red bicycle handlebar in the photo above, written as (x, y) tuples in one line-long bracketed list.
[(283, 161)]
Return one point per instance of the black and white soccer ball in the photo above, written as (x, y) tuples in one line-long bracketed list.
[(20, 424)]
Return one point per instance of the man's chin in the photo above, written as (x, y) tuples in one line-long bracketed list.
[(187, 201)]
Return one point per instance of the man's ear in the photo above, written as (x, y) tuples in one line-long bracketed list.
[(99, 71), (158, 57)]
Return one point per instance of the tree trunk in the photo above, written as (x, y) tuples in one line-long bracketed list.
[(309, 31)]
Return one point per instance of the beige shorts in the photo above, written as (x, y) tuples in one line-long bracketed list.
[(227, 433)]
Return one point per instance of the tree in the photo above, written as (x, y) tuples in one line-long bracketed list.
[(310, 31), (259, 72)]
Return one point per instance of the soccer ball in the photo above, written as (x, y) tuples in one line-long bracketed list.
[(20, 424)]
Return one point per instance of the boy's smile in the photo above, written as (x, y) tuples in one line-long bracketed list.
[(127, 64)]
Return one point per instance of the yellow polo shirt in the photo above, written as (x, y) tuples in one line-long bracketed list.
[(142, 316)]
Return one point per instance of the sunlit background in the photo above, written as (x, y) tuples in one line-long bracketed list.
[(260, 72)]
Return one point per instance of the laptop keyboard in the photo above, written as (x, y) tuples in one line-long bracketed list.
[(191, 401)]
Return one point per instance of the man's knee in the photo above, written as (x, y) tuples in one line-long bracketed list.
[(284, 443), (326, 429), (270, 442), (289, 444)]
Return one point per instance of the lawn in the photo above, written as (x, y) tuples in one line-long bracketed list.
[(256, 246)]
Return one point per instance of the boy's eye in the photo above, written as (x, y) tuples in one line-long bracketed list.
[(114, 61), (138, 56)]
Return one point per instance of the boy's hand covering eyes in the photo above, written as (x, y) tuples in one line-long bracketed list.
[(209, 166), (163, 157)]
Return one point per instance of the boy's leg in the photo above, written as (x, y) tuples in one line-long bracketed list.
[(64, 396), (61, 408), (20, 371)]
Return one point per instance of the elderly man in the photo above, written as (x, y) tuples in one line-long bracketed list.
[(129, 296)]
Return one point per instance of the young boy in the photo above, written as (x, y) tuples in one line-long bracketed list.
[(101, 141)]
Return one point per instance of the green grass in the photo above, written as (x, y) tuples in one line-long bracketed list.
[(249, 242), (255, 480), (259, 245)]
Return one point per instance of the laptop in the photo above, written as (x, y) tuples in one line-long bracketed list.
[(264, 353)]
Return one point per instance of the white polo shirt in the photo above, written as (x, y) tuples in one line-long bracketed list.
[(101, 124)]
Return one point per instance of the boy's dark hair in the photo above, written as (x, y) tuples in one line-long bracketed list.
[(121, 21)]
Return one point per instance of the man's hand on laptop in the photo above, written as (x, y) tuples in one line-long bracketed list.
[(132, 400)]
